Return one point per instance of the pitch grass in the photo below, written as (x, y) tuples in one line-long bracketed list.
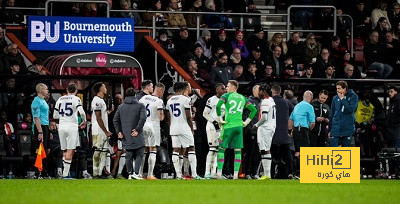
[(194, 191)]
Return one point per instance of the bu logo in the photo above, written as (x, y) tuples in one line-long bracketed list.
[(39, 32)]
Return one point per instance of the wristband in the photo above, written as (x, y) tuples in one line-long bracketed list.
[(40, 133)]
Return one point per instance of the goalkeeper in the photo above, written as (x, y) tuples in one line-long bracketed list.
[(232, 133)]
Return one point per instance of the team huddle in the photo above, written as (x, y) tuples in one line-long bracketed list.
[(137, 123)]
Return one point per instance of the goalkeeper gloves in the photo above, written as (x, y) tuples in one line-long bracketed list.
[(221, 121), (246, 122)]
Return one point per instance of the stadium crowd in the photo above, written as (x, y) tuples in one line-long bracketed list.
[(213, 60)]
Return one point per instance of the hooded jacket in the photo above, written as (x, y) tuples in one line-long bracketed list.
[(342, 116), (130, 115)]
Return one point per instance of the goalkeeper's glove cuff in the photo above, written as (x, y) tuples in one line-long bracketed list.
[(246, 122)]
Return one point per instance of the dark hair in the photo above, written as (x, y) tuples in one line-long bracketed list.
[(146, 83), (323, 91), (14, 62), (381, 19), (220, 56), (265, 87), (37, 62), (343, 84), (276, 88), (130, 92), (71, 88), (180, 86), (217, 85), (335, 38), (97, 86), (394, 88)]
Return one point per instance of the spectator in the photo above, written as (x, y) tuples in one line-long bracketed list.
[(252, 73), (167, 44), (325, 18), (336, 50), (319, 135), (3, 42), (312, 49), (222, 73), (13, 54), (202, 61), (393, 50), (345, 60), (343, 26), (240, 43), (183, 44), (255, 58), (238, 74), (205, 41), (221, 41), (269, 72), (362, 20), (382, 28), (329, 72), (290, 72), (215, 20), (202, 77), (377, 13), (349, 72), (175, 19), (161, 19), (376, 56), (252, 21), (128, 122), (277, 40), (302, 121), (276, 61), (393, 119), (126, 5), (236, 58), (304, 15), (296, 49), (14, 68), (308, 71), (257, 40), (11, 101), (191, 19), (324, 60), (394, 16), (342, 118), (11, 15), (88, 10), (36, 67)]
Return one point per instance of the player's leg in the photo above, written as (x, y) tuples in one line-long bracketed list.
[(72, 138), (154, 141), (188, 143), (265, 140), (237, 145), (212, 152), (176, 147), (97, 146), (223, 144)]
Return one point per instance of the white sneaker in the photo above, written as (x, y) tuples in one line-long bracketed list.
[(135, 176), (363, 75), (87, 176)]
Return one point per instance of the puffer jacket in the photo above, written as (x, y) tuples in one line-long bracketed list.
[(342, 116)]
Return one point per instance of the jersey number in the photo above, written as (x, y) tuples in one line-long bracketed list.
[(148, 110), (235, 107), (68, 110), (175, 109)]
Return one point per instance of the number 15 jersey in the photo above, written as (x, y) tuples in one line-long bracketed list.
[(234, 105), (176, 106)]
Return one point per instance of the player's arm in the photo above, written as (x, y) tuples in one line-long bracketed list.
[(221, 101), (253, 112), (189, 118), (263, 119), (160, 111), (142, 119), (56, 114), (36, 118), (311, 115), (101, 123), (291, 122)]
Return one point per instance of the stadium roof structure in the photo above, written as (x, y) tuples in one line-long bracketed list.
[(95, 63)]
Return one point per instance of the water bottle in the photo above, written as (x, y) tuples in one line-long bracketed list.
[(10, 175)]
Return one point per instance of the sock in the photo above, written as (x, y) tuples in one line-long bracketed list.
[(96, 162), (266, 160), (186, 165), (108, 162), (121, 164), (221, 159), (214, 163), (59, 171), (67, 165), (180, 163), (210, 159), (193, 162), (142, 164), (152, 163), (237, 163), (103, 159), (177, 165)]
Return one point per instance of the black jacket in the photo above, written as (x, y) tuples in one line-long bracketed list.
[(320, 110), (393, 116), (281, 135), (221, 74)]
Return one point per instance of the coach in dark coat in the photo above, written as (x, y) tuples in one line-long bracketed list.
[(128, 122)]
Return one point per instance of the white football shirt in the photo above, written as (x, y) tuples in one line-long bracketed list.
[(268, 106), (98, 104), (152, 105), (66, 110), (212, 106), (176, 106)]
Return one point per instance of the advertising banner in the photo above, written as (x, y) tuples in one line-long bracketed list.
[(80, 34)]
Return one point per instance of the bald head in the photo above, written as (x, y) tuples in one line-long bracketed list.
[(308, 96)]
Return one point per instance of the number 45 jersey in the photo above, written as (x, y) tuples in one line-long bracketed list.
[(176, 106), (66, 110), (234, 105)]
